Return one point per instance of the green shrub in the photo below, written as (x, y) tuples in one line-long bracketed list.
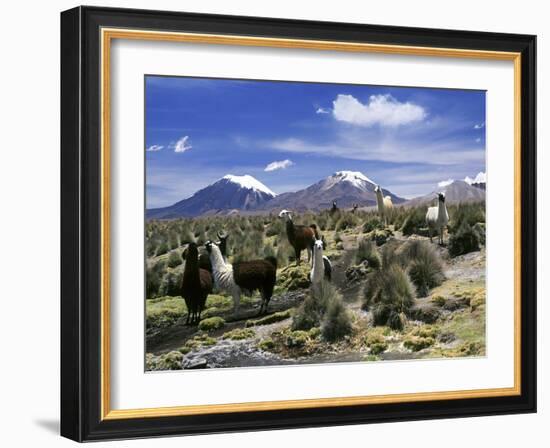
[(463, 241), (211, 324), (325, 309), (336, 323), (423, 265), (347, 221), (389, 295), (308, 315), (479, 229), (174, 259), (366, 250), (467, 213), (171, 284), (153, 279), (376, 343), (372, 224), (163, 248), (414, 221)]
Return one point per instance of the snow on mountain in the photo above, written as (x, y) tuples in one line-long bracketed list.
[(228, 194), (344, 187), (481, 178), (250, 183)]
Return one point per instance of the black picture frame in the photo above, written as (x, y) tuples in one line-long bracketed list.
[(81, 224)]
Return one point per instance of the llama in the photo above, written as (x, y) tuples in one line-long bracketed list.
[(322, 267), (195, 286), (385, 205), (354, 208), (437, 217), (334, 208), (299, 237), (204, 258), (244, 276)]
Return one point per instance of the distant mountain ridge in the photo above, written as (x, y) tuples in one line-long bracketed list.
[(234, 194), (344, 187), (229, 193), (456, 191)]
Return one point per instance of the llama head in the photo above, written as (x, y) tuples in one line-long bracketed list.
[(285, 214), (377, 189), (441, 197), (318, 245), (191, 252)]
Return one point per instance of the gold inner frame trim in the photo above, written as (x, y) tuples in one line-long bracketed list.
[(107, 35)]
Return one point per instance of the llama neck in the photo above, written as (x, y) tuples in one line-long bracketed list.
[(218, 264), (379, 199), (290, 228), (441, 210), (191, 268), (317, 260)]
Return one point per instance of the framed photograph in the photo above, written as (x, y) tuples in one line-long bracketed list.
[(273, 223)]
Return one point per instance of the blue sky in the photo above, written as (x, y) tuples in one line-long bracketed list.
[(289, 135)]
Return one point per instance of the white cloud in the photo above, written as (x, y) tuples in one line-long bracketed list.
[(479, 125), (279, 165), (182, 144), (401, 152), (478, 140), (444, 183), (383, 110), (154, 148), (321, 110)]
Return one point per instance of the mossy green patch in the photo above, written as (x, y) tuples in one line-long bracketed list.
[(417, 343), (438, 299), (270, 319), (266, 344), (297, 338), (167, 361), (293, 277), (211, 323), (239, 333), (164, 312)]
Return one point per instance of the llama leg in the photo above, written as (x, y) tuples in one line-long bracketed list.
[(308, 254), (236, 300), (297, 253)]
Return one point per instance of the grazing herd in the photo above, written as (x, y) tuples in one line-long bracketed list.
[(203, 272)]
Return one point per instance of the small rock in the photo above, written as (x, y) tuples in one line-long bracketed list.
[(193, 364)]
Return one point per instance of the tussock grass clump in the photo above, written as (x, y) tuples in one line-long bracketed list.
[(347, 221), (463, 240), (171, 284), (153, 279), (326, 310), (372, 224), (414, 221), (174, 259), (376, 342), (366, 251), (389, 295), (423, 265), (336, 323), (467, 213)]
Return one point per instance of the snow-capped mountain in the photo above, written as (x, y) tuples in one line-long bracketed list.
[(456, 191), (344, 187), (480, 181), (229, 193)]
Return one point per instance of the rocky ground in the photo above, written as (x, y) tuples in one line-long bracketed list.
[(449, 322)]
